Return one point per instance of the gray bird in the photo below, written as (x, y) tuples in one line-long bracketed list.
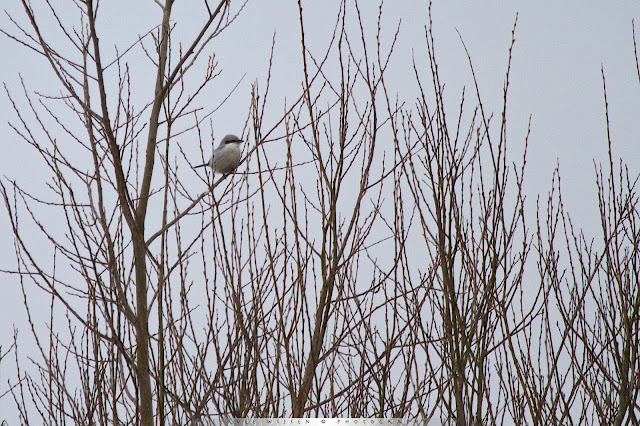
[(226, 157)]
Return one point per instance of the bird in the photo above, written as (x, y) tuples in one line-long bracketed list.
[(226, 157)]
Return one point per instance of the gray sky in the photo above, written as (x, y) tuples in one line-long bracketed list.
[(556, 80)]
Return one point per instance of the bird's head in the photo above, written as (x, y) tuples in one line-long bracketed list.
[(231, 140)]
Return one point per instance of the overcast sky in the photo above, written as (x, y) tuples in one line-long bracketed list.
[(556, 80)]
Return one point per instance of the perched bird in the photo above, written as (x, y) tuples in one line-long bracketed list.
[(226, 157)]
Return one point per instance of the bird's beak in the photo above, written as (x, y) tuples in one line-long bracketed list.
[(201, 165)]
